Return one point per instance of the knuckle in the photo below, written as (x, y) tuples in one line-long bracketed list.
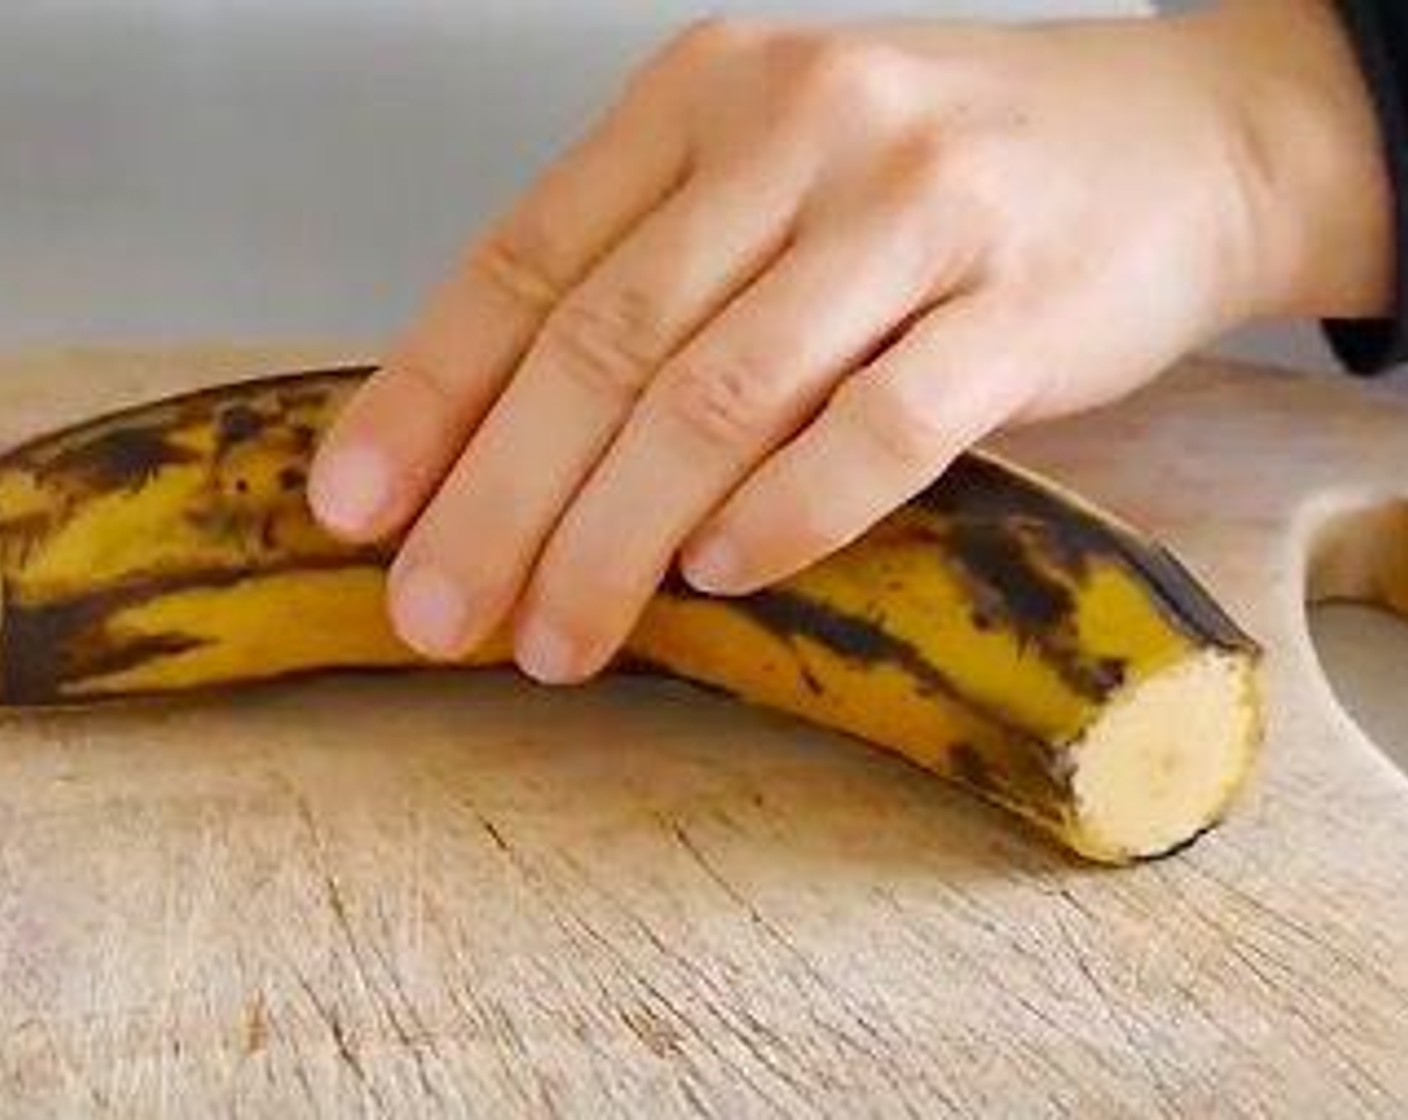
[(969, 169), (983, 172), (431, 380), (830, 74), (711, 38), (517, 261), (941, 229), (608, 345), (918, 161), (892, 419), (725, 404)]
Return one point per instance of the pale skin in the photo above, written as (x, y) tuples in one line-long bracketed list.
[(795, 271)]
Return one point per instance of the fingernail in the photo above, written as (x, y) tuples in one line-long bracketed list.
[(430, 612), (350, 488), (544, 654), (714, 566)]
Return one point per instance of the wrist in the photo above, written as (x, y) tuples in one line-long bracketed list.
[(1317, 200)]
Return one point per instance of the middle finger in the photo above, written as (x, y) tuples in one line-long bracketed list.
[(468, 556)]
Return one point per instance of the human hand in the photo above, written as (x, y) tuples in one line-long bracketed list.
[(794, 272)]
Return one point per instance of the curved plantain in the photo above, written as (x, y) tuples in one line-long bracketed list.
[(996, 630)]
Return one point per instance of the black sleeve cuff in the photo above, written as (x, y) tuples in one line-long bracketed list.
[(1379, 29)]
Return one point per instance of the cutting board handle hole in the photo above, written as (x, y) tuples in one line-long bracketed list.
[(1358, 595), (1361, 556)]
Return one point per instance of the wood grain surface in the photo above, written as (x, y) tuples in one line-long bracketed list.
[(455, 894)]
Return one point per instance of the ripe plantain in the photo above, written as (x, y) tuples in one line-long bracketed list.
[(996, 630)]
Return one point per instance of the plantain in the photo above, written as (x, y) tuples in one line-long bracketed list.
[(996, 630)]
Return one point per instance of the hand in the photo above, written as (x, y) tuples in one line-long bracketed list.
[(793, 273)]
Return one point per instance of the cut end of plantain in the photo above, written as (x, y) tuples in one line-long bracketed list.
[(1163, 761)]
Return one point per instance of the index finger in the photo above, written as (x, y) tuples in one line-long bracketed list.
[(401, 432)]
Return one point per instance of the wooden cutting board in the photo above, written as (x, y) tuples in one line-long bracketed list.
[(454, 894)]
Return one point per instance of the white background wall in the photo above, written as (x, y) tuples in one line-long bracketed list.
[(248, 169), (275, 168), (293, 168)]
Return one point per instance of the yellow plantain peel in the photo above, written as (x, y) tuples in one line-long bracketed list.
[(995, 631)]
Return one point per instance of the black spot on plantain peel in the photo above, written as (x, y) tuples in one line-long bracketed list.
[(120, 459)]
